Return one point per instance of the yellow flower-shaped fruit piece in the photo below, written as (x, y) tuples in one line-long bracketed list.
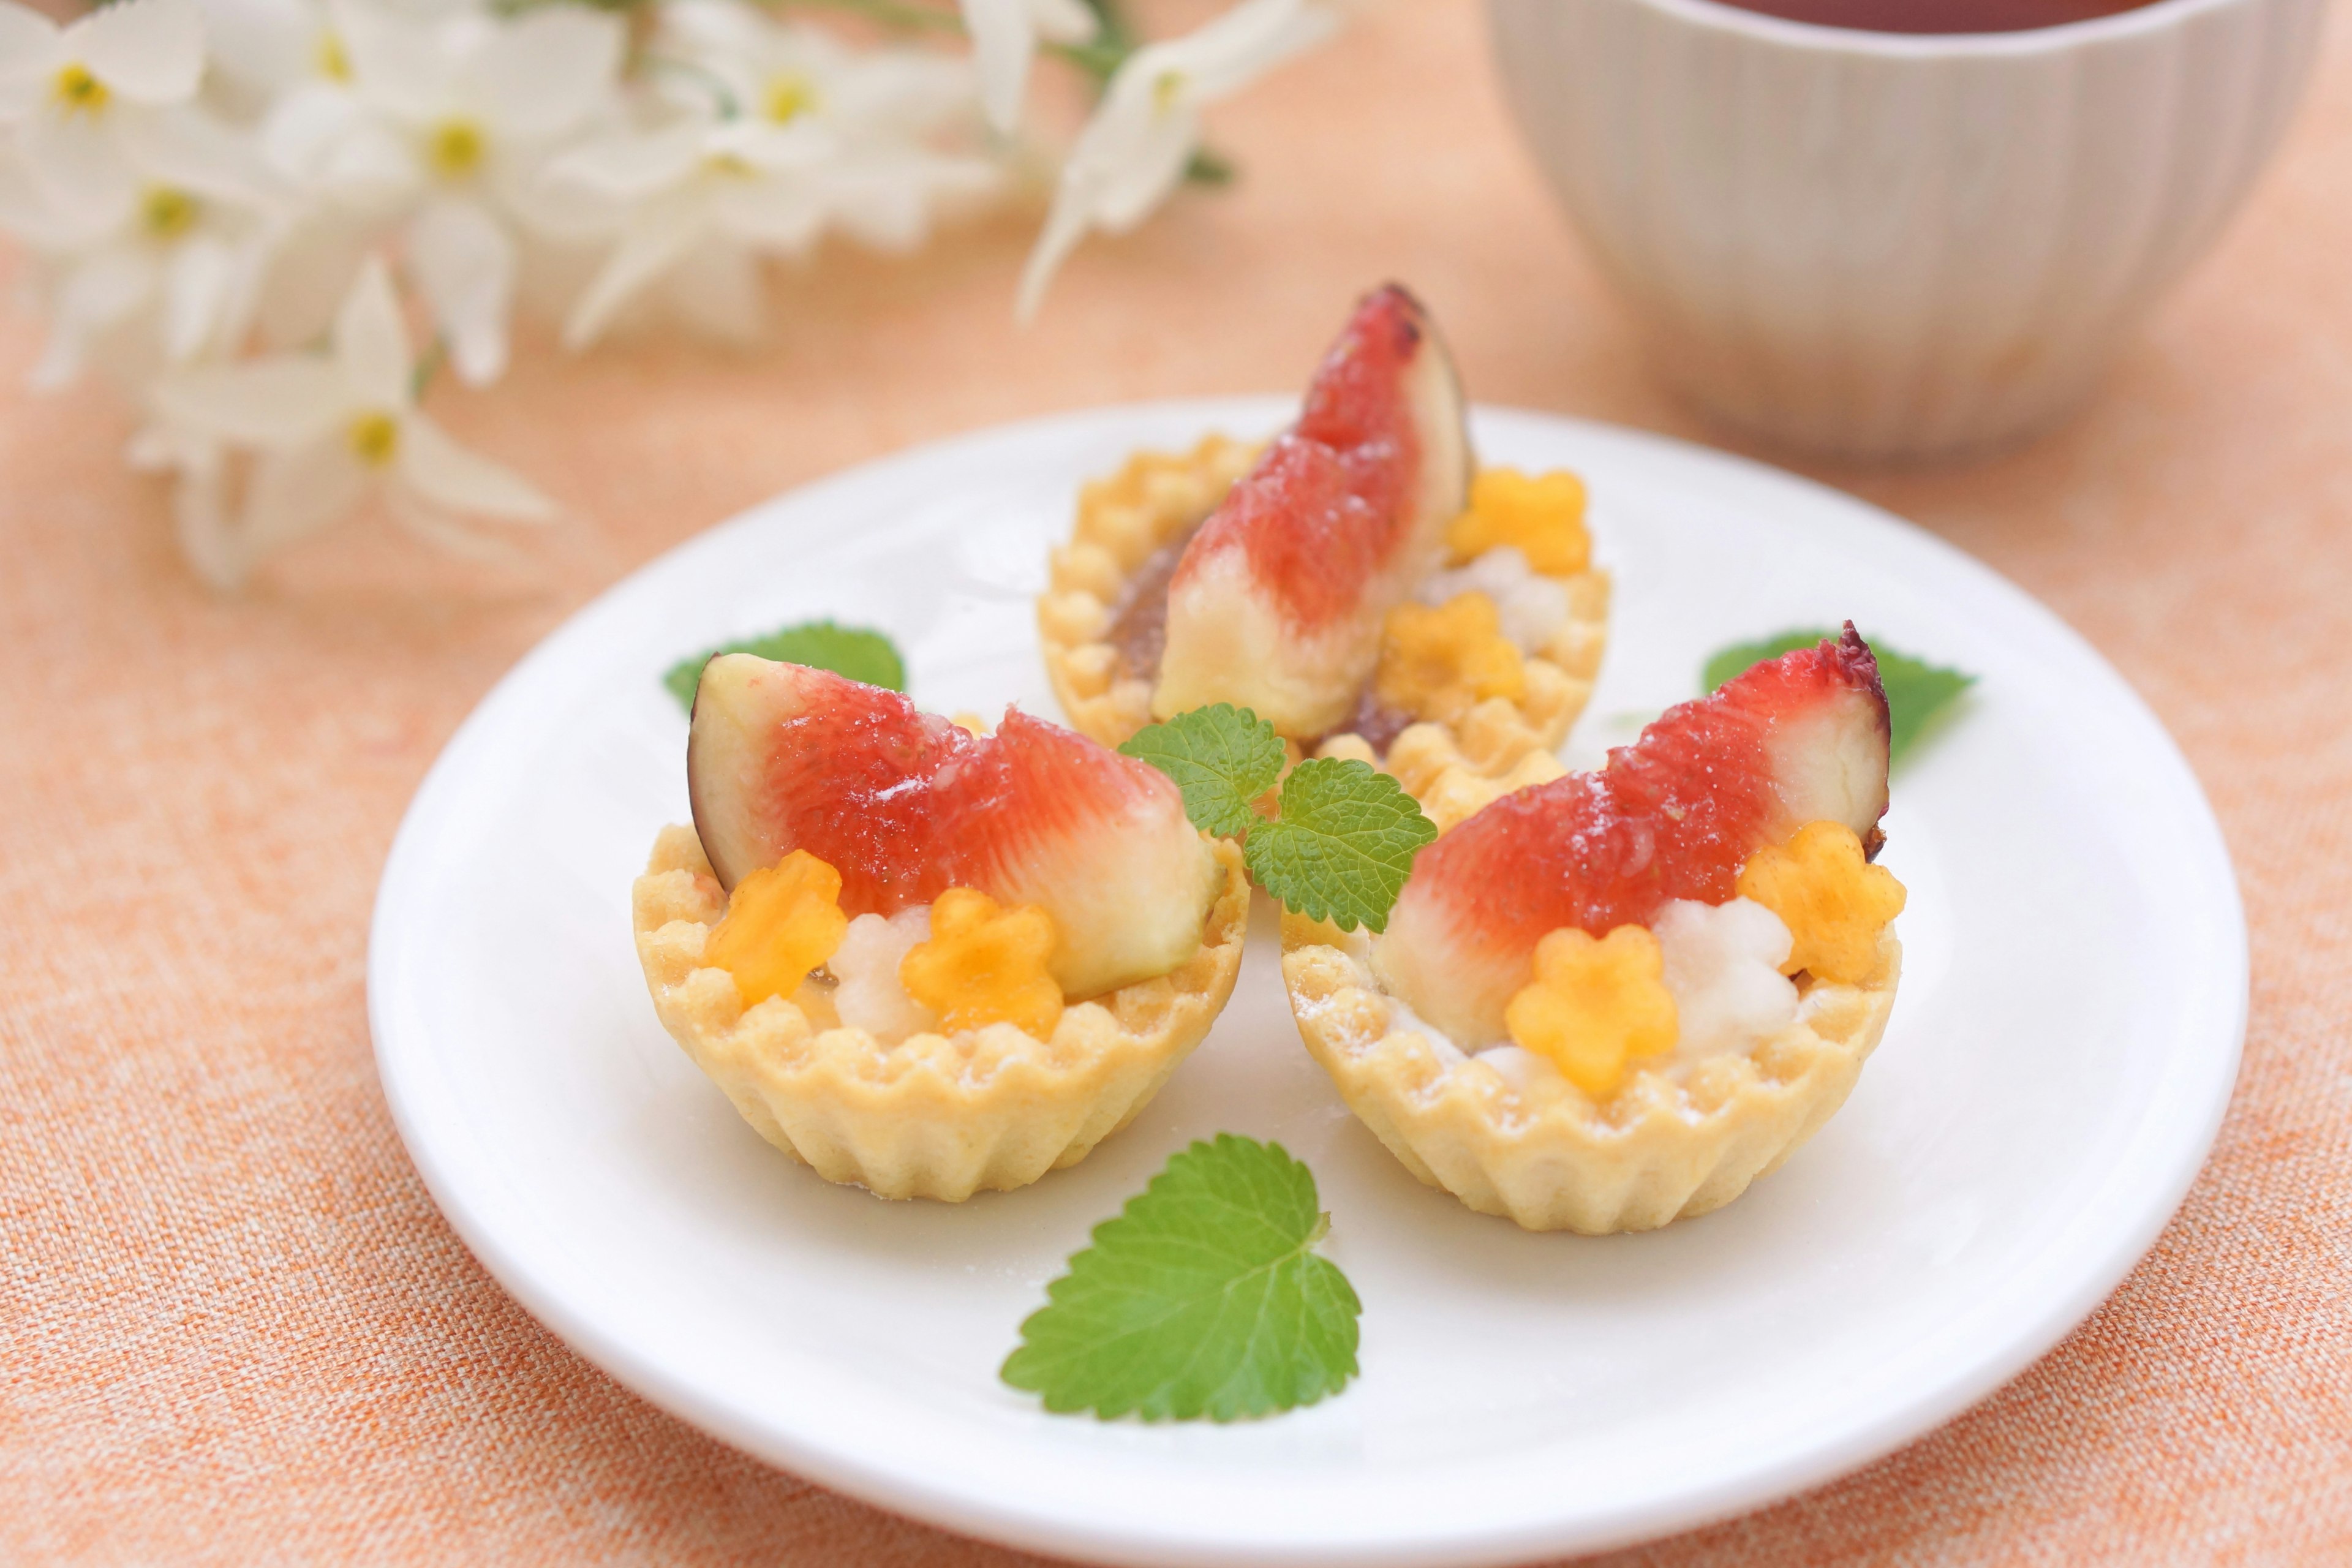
[(1438, 663), (984, 965), (781, 923), (1542, 515), (1832, 899), (1597, 1006)]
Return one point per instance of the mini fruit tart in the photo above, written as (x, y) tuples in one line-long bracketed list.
[(923, 961), (1351, 583), (1614, 999)]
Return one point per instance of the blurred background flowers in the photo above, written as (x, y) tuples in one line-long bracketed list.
[(251, 214)]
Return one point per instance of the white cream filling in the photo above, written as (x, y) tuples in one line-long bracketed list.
[(1723, 966), (1531, 607), (866, 992)]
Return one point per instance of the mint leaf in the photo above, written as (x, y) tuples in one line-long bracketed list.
[(1917, 691), (1342, 847), (1222, 757), (1203, 1296), (852, 651)]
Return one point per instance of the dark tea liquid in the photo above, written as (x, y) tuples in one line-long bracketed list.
[(1938, 15)]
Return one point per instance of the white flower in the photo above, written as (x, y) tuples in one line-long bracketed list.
[(1722, 965), (1135, 149), (448, 120), (182, 241), (788, 135), (187, 258), (269, 47), (328, 430), (85, 97), (1004, 35)]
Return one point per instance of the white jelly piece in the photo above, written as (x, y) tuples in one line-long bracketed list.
[(1722, 965), (868, 996), (1531, 607)]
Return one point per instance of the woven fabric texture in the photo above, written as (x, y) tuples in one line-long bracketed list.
[(235, 1330)]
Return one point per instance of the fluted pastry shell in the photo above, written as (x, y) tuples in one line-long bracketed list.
[(935, 1116), (1666, 1146), (1453, 769)]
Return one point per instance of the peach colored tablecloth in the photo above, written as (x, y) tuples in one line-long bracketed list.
[(234, 1328)]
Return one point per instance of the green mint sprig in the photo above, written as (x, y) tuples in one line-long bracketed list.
[(1344, 839), (1221, 758), (1203, 1296), (851, 651), (1917, 691)]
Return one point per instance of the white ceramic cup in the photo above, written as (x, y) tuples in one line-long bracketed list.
[(1887, 246)]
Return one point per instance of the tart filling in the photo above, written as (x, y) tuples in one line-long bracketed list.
[(1509, 1133), (920, 957), (1454, 744), (1614, 999), (857, 1075), (1354, 582)]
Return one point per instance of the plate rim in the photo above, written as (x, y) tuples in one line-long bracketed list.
[(801, 1452)]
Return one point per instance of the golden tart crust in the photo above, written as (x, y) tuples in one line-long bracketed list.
[(1155, 500), (1546, 1156), (934, 1116)]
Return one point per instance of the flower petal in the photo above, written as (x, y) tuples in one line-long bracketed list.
[(29, 55), (372, 342), (295, 494), (715, 290), (541, 74), (450, 477), (198, 281), (780, 215), (1127, 160), (1065, 21), (98, 291), (464, 265), (1226, 55), (282, 401), (307, 274), (401, 63), (150, 51), (79, 164), (663, 232), (1004, 38), (265, 45), (208, 538), (437, 527), (186, 147), (627, 167)]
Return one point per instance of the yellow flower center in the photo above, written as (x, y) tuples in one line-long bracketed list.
[(1595, 1008), (985, 965), (167, 213), (781, 923), (76, 88), (1166, 88), (330, 59), (376, 437), (1832, 899), (456, 148), (789, 98), (1542, 515)]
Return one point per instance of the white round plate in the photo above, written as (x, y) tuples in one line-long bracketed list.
[(2074, 999)]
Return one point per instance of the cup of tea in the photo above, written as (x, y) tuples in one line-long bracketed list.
[(1898, 228)]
